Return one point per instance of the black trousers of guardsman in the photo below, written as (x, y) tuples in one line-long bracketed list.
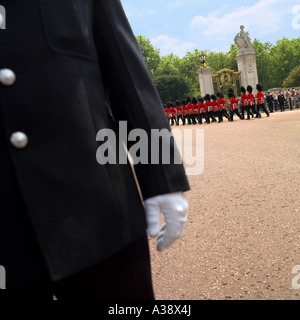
[(263, 107)]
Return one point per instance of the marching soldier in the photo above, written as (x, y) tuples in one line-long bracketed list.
[(260, 100), (185, 111), (234, 108), (245, 104), (217, 111), (222, 106), (202, 110), (209, 109), (195, 110), (179, 111), (251, 102)]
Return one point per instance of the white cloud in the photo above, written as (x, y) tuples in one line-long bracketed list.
[(263, 17), (168, 45)]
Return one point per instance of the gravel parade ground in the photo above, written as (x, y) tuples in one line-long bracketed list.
[(242, 238)]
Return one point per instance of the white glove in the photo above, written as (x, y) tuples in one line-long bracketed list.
[(174, 207)]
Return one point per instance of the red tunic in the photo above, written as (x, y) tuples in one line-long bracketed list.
[(195, 109), (260, 98), (222, 104), (190, 107), (185, 110), (244, 99), (167, 111), (173, 112), (179, 110), (201, 107), (208, 106), (251, 101), (233, 103), (215, 105)]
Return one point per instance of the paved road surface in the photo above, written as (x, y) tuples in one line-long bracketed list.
[(242, 238)]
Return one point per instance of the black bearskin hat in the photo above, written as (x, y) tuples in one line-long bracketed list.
[(207, 97), (177, 103), (243, 89), (219, 94), (249, 89), (188, 100), (214, 97), (259, 87), (194, 100), (231, 94), (168, 105), (200, 99), (183, 102)]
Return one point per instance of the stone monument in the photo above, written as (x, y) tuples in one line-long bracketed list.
[(205, 76), (246, 59)]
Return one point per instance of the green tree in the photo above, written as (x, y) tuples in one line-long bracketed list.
[(171, 87), (169, 81), (293, 79), (150, 54)]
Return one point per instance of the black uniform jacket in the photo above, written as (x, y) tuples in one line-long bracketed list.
[(70, 57)]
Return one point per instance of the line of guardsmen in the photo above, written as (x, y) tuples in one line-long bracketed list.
[(213, 108)]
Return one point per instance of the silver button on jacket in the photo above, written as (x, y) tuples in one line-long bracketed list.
[(7, 77), (19, 140)]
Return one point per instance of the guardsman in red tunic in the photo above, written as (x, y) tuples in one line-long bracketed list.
[(217, 112), (202, 110), (244, 99), (234, 107), (190, 108), (245, 104), (260, 101), (169, 110), (173, 114), (222, 106), (209, 108), (179, 110), (251, 102), (185, 111), (195, 110)]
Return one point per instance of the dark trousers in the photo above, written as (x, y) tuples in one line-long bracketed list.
[(173, 121), (243, 109), (262, 106), (124, 276), (201, 117), (249, 113), (225, 114), (271, 107), (211, 116), (235, 111), (218, 114), (281, 105), (182, 119)]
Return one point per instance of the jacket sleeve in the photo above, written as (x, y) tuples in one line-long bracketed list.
[(132, 94)]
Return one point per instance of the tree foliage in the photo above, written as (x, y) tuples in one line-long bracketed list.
[(176, 78), (293, 79)]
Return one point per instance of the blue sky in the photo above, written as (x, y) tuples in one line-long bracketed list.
[(180, 26)]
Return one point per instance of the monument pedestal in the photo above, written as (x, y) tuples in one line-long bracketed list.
[(205, 80), (246, 60)]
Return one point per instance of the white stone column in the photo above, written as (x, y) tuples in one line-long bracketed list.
[(205, 80), (246, 60)]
